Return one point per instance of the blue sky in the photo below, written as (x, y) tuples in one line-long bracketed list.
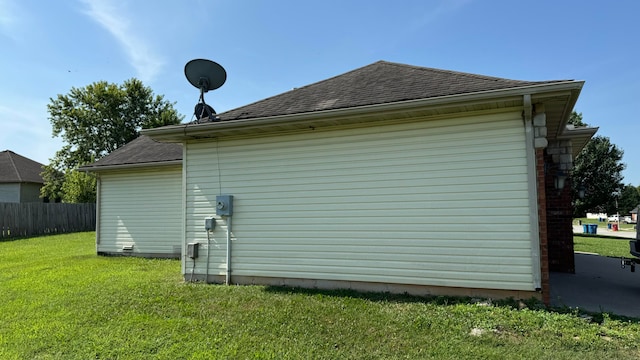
[(268, 47)]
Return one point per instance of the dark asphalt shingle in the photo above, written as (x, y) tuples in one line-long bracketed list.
[(379, 83), (15, 168), (142, 150)]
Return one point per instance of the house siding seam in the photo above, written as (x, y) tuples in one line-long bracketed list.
[(141, 208), (438, 203)]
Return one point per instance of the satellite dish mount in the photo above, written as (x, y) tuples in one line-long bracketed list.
[(205, 75)]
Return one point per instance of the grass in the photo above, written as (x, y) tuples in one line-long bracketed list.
[(605, 246), (60, 301)]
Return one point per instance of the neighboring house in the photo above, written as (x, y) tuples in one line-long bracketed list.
[(388, 178), (139, 200), (20, 179), (634, 214)]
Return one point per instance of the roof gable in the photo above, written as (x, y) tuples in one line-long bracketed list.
[(378, 83), (15, 168)]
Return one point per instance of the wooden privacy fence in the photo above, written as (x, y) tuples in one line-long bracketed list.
[(30, 219)]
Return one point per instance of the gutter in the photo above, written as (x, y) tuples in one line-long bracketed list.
[(100, 168), (184, 131)]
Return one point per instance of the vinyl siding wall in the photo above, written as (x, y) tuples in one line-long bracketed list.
[(10, 192), (141, 207), (30, 192), (440, 202)]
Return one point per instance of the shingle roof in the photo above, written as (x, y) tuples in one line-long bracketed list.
[(142, 150), (377, 83), (15, 168)]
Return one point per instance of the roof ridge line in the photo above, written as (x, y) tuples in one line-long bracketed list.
[(13, 163)]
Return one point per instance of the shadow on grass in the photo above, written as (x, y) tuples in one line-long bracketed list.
[(595, 317), (407, 298), (510, 303)]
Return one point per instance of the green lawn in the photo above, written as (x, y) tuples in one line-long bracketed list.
[(58, 300), (605, 246)]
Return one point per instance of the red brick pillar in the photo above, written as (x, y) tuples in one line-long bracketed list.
[(559, 218), (542, 224)]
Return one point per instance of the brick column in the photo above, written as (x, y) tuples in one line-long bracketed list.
[(542, 224), (559, 212)]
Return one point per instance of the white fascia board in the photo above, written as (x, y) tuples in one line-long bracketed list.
[(98, 169)]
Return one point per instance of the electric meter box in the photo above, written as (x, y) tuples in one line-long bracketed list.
[(224, 205), (192, 250)]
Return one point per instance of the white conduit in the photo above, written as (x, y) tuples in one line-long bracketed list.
[(228, 278)]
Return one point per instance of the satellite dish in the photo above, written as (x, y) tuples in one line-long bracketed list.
[(205, 75)]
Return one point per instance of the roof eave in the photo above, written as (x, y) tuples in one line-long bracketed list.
[(100, 168), (180, 133), (579, 137)]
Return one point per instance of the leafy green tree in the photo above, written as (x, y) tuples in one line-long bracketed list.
[(93, 121), (598, 171), (79, 187), (629, 199), (576, 119)]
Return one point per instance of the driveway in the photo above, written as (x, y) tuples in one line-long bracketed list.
[(599, 284)]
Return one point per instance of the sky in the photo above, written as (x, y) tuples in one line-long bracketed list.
[(269, 47)]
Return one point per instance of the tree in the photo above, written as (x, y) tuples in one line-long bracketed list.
[(598, 171), (576, 119), (93, 121), (629, 199)]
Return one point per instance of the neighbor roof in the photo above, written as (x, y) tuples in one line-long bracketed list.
[(143, 151), (378, 83), (15, 168)]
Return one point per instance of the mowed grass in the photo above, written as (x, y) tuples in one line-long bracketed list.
[(605, 246), (58, 300)]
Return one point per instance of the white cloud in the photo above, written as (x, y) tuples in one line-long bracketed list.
[(114, 19)]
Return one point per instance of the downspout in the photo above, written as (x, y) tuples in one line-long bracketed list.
[(206, 272), (98, 204), (533, 191)]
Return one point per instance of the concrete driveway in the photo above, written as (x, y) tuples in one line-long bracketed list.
[(599, 285)]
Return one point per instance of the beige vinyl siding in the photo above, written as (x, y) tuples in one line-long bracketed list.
[(141, 207), (441, 202)]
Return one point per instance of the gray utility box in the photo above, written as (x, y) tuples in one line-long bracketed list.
[(209, 223), (224, 205), (192, 250)]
